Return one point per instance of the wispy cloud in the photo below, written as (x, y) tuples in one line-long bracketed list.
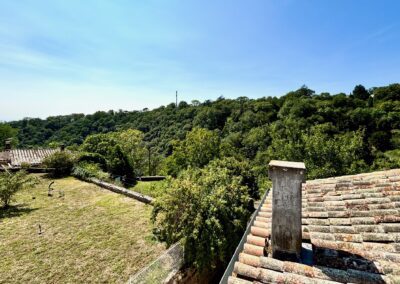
[(79, 56)]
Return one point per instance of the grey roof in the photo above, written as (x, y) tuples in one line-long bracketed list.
[(4, 157), (33, 157)]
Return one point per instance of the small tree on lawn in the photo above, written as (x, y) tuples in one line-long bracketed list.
[(11, 183)]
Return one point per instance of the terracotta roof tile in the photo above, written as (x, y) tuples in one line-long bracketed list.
[(353, 224)]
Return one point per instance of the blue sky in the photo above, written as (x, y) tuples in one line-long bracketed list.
[(61, 57)]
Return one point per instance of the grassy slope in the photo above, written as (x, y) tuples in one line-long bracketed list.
[(90, 235), (150, 188)]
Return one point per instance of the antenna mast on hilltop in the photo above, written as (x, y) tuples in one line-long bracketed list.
[(176, 98)]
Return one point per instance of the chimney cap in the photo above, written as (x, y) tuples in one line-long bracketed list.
[(287, 164)]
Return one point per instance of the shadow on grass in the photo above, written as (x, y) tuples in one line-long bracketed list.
[(15, 211), (50, 176)]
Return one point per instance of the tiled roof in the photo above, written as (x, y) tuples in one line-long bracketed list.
[(4, 157), (33, 157), (352, 224)]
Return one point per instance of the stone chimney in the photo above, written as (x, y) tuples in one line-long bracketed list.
[(286, 235), (7, 145)]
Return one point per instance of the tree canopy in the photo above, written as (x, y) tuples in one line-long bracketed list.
[(256, 130), (207, 209)]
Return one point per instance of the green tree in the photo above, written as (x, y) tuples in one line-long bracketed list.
[(391, 92), (207, 209), (253, 129), (199, 147), (331, 155), (210, 118), (286, 140), (123, 151), (7, 132), (11, 183), (118, 164), (361, 93), (102, 144), (131, 143)]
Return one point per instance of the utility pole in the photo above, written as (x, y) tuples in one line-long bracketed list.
[(176, 99)]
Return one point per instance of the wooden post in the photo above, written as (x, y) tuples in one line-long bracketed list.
[(286, 235)]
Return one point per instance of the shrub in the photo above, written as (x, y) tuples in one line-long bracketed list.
[(150, 188), (93, 158), (62, 163), (25, 165), (84, 170), (11, 183), (207, 209), (119, 165), (241, 169)]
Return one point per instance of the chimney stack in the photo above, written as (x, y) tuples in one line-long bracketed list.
[(7, 145), (286, 235)]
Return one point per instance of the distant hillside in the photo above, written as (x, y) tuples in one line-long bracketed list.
[(255, 128)]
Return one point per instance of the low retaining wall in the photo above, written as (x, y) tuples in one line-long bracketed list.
[(150, 178), (118, 189)]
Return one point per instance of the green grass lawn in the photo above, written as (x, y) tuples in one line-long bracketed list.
[(90, 235), (150, 188)]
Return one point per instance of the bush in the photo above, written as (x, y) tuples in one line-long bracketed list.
[(151, 188), (11, 183), (25, 166), (84, 170), (80, 173), (207, 209), (119, 165), (93, 158), (241, 169), (62, 163)]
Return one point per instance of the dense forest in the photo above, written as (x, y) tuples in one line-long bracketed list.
[(216, 154), (334, 134)]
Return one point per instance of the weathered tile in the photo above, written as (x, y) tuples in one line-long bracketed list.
[(318, 222), (368, 228), (391, 227), (355, 238), (338, 214), (322, 229), (318, 214), (381, 206), (339, 221), (361, 213), (377, 237), (322, 236), (342, 229), (362, 220), (332, 198), (352, 196)]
